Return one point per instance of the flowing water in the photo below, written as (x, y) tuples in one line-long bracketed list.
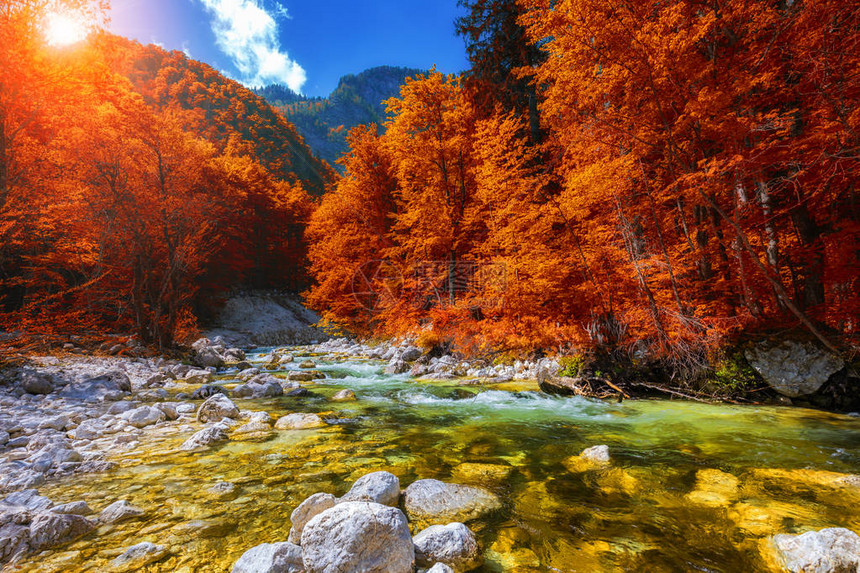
[(691, 487)]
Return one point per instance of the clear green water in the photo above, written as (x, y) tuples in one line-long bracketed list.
[(643, 513)]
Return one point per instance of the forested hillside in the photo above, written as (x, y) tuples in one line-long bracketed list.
[(136, 183), (653, 177), (357, 100)]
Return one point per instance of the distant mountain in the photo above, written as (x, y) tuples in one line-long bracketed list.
[(325, 122)]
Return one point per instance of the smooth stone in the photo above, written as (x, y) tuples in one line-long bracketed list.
[(216, 408), (345, 395), (307, 364), (307, 510), (206, 437), (379, 487), (144, 416), (434, 502), (831, 550), (119, 511), (453, 544), (29, 499), (440, 568), (358, 536), (139, 556), (281, 557), (73, 508), (299, 422)]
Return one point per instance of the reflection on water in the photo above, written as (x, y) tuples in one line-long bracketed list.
[(692, 487)]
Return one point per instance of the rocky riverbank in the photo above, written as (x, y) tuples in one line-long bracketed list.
[(75, 418)]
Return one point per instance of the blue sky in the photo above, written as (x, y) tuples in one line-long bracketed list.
[(306, 44)]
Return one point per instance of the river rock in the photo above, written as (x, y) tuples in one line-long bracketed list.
[(440, 568), (281, 557), (48, 529), (307, 510), (453, 544), (432, 501), (396, 366), (832, 550), (119, 511), (593, 458), (358, 536), (478, 473), (28, 499), (206, 437), (714, 488), (307, 364), (379, 487), (139, 556), (216, 408), (411, 354), (299, 422), (73, 508), (198, 377), (297, 376), (143, 416), (207, 391), (111, 385), (252, 389), (345, 395), (794, 368), (35, 382)]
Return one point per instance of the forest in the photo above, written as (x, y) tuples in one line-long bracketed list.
[(656, 178)]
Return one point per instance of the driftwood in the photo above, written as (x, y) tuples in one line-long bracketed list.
[(591, 387)]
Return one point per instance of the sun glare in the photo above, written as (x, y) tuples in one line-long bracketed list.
[(64, 29)]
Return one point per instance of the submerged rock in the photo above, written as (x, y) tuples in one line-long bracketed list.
[(139, 556), (453, 545), (358, 536), (433, 501), (832, 550), (345, 395), (119, 511), (299, 422), (281, 557), (216, 408), (794, 368), (307, 510), (482, 473), (379, 487), (593, 458), (714, 488)]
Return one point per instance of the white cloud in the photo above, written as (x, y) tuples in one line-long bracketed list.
[(282, 11), (248, 34), (186, 50)]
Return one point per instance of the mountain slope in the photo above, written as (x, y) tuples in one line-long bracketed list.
[(357, 100), (229, 113)]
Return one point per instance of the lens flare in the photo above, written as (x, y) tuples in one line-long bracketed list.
[(64, 29)]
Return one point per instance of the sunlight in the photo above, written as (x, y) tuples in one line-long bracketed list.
[(64, 29)]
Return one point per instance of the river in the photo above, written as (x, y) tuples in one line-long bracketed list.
[(691, 487)]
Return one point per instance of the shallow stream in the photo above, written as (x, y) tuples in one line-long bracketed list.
[(779, 470)]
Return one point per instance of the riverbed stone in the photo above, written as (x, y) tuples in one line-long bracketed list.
[(411, 354), (358, 536), (379, 487), (831, 550), (480, 473), (345, 395), (216, 408), (198, 376), (397, 366), (208, 436), (207, 391), (440, 568), (431, 501), (793, 368), (283, 557), (299, 422), (307, 364), (29, 499), (48, 529), (144, 416), (73, 508), (35, 382), (297, 376), (138, 556), (593, 458), (453, 544), (119, 511), (307, 510), (714, 488)]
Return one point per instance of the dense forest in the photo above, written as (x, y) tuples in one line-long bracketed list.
[(136, 185), (659, 178), (655, 177)]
